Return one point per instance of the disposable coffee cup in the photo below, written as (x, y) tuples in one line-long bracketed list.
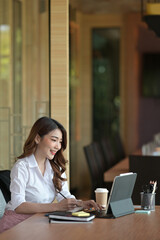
[(101, 196)]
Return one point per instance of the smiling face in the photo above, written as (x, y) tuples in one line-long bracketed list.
[(49, 144)]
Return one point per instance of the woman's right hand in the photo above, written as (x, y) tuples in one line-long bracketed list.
[(67, 204)]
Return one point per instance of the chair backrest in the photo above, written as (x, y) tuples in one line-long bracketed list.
[(92, 162), (108, 152), (2, 204), (118, 146), (94, 168), (147, 169), (5, 184), (100, 159)]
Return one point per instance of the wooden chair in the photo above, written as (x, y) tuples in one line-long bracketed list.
[(96, 167), (147, 169)]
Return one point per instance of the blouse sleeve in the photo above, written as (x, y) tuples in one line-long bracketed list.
[(65, 191), (19, 176)]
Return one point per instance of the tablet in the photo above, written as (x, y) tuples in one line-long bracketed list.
[(120, 201)]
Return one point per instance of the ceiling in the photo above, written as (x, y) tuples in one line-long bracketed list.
[(106, 6)]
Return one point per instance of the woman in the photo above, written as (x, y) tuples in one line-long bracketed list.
[(38, 177)]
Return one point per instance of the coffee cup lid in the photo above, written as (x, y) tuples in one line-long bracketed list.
[(101, 190)]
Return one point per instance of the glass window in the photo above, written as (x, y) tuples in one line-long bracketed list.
[(105, 70), (24, 72)]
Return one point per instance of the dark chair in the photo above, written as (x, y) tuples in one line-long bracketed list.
[(118, 147), (108, 152), (2, 204), (96, 166), (5, 184), (101, 160), (147, 169)]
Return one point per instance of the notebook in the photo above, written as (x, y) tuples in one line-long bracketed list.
[(60, 216), (120, 202)]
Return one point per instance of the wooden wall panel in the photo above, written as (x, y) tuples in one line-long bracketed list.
[(131, 86), (59, 63)]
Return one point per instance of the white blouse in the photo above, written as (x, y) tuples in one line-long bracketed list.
[(29, 185)]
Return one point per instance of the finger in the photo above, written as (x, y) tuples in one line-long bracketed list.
[(79, 203), (72, 206), (72, 201), (91, 204), (95, 205)]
